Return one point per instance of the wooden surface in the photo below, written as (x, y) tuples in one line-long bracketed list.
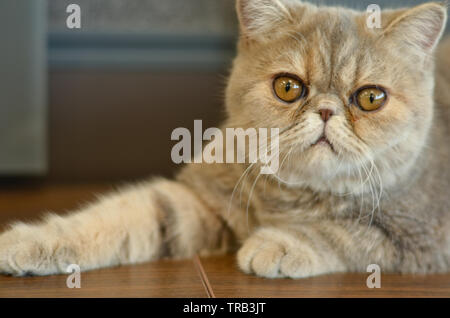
[(227, 281), (212, 277), (161, 279)]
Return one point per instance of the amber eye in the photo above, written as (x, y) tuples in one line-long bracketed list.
[(288, 89), (370, 98)]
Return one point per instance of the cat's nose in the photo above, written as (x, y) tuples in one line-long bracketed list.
[(326, 114)]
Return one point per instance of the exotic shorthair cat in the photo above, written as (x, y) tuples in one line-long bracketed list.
[(364, 174)]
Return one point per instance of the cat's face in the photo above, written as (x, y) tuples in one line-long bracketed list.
[(349, 101)]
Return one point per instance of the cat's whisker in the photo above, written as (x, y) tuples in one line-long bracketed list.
[(361, 206), (371, 188), (235, 187), (244, 176), (249, 200), (380, 185)]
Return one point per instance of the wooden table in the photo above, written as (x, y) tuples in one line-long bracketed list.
[(211, 277)]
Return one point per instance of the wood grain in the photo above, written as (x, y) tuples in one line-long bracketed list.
[(160, 279), (227, 281), (28, 200)]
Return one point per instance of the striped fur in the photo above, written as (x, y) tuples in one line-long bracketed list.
[(323, 211)]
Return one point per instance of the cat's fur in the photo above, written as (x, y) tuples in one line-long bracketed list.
[(382, 197)]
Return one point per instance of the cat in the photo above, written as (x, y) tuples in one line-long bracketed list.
[(364, 176)]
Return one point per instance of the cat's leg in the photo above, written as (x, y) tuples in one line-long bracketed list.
[(315, 249), (141, 223)]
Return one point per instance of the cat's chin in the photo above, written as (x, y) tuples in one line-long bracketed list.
[(336, 184), (320, 168), (321, 154)]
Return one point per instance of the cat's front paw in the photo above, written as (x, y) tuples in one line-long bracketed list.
[(274, 253), (29, 250)]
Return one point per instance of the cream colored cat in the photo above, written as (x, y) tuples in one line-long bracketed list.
[(364, 150)]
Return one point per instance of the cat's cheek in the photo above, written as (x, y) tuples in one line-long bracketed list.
[(353, 118), (369, 130)]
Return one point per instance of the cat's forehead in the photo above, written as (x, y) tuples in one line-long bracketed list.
[(335, 52)]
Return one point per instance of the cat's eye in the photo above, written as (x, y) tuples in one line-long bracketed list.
[(288, 88), (370, 98)]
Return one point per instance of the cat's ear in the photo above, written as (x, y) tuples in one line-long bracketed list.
[(418, 29), (258, 17)]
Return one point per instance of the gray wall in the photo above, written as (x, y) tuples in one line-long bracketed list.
[(23, 87), (149, 16), (155, 34), (172, 16)]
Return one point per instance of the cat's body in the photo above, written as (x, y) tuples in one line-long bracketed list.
[(322, 212)]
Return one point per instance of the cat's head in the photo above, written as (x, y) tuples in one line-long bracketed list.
[(350, 100)]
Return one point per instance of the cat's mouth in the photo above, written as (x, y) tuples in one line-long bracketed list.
[(323, 140)]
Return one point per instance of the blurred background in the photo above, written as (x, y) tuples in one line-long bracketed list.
[(98, 104)]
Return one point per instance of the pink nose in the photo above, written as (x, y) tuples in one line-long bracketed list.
[(326, 114)]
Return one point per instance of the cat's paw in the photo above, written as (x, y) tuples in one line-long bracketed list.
[(28, 250), (273, 253)]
